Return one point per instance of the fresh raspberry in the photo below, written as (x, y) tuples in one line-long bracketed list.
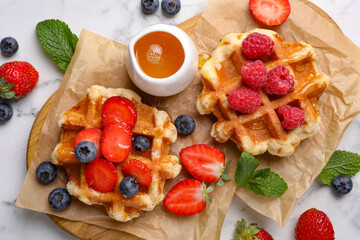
[(254, 74), (290, 117), (244, 100), (257, 46), (279, 81)]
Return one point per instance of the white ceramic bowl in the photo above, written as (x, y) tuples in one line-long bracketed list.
[(174, 83)]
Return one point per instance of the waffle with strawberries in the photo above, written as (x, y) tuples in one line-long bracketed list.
[(153, 124), (261, 130)]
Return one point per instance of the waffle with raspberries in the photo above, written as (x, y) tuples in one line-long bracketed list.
[(263, 92), (151, 123)]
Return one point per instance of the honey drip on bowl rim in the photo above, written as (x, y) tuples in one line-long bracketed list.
[(159, 54)]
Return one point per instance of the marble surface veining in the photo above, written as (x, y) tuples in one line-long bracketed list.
[(120, 20)]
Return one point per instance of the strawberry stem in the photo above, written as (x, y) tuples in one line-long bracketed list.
[(224, 175), (5, 90), (207, 190)]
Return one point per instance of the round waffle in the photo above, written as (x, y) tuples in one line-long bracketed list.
[(261, 131), (152, 123)]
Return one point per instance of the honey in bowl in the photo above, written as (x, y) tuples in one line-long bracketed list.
[(159, 54)]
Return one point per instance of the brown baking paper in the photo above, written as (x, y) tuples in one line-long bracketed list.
[(338, 58), (101, 61)]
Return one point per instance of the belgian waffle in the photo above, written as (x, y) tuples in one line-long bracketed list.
[(261, 131), (152, 123)]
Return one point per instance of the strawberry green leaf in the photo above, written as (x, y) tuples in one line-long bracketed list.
[(207, 190), (245, 167), (9, 95), (243, 232), (210, 188), (2, 81), (220, 182), (224, 174), (240, 228), (7, 87), (253, 229), (341, 162), (5, 90), (58, 40)]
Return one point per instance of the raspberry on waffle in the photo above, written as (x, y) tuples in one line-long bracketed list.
[(261, 130), (153, 124)]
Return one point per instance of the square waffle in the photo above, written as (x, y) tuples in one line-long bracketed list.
[(152, 123), (261, 131)]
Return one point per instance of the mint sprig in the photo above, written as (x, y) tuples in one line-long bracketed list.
[(341, 162), (263, 181), (58, 40)]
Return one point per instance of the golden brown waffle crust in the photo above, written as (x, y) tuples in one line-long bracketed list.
[(212, 100), (163, 166)]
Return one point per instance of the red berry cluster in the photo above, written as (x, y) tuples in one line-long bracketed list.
[(277, 81), (113, 144)]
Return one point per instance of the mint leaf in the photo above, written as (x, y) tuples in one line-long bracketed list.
[(267, 183), (245, 167), (261, 181), (263, 173), (341, 162), (58, 40)]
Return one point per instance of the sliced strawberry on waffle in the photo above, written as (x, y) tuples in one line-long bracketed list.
[(119, 110), (92, 135), (204, 162), (270, 12), (115, 143), (188, 197), (101, 175), (139, 171)]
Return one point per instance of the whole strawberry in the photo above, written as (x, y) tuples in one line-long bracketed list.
[(17, 79), (314, 224), (251, 232)]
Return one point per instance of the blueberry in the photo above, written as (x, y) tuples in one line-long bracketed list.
[(46, 172), (59, 199), (85, 151), (129, 187), (6, 112), (185, 124), (149, 6), (9, 46), (141, 143), (342, 184), (171, 7)]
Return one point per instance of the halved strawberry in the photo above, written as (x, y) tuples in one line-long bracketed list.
[(139, 171), (119, 109), (187, 197), (101, 175), (115, 143), (270, 12), (92, 135), (204, 162)]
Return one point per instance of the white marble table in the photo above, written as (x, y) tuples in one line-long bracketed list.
[(120, 20)]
